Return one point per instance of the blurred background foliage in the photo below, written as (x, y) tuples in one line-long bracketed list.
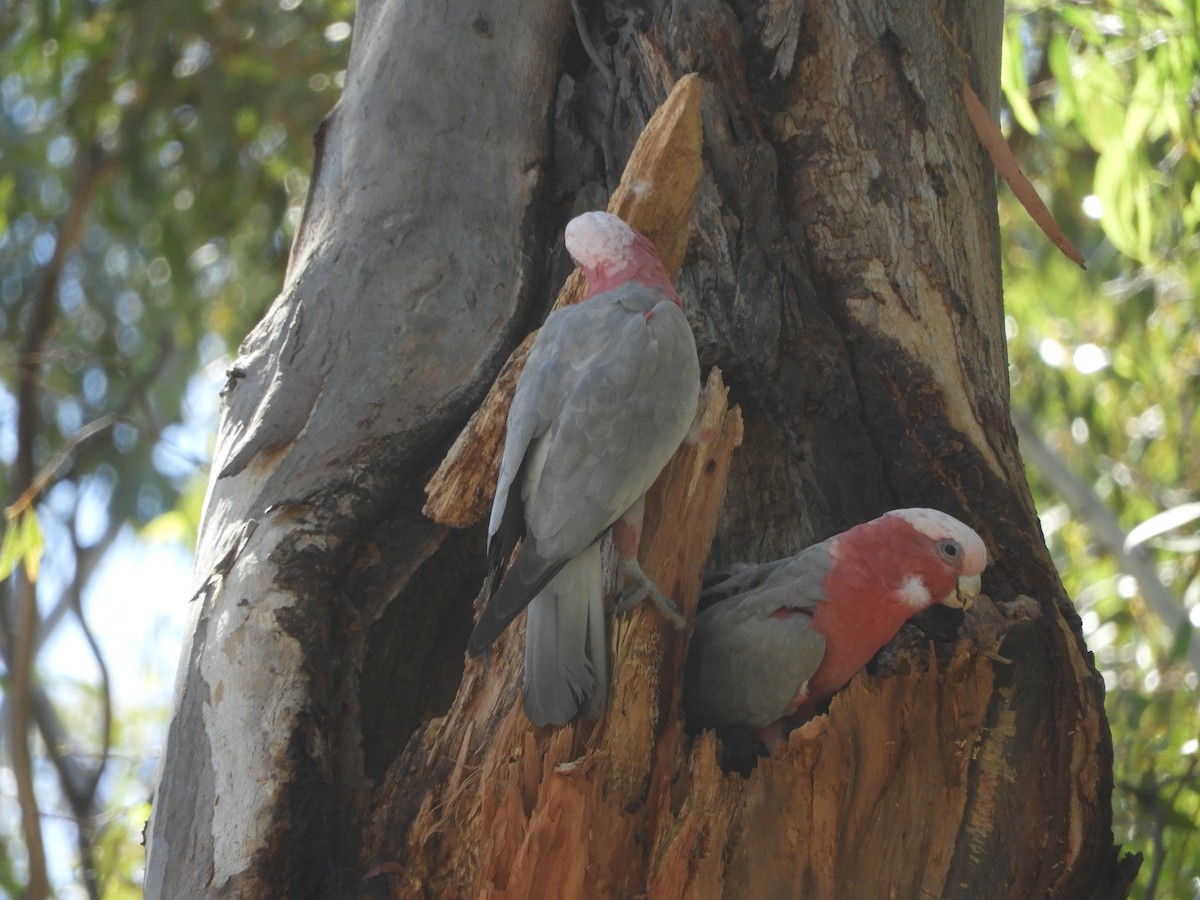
[(1101, 108), (153, 162)]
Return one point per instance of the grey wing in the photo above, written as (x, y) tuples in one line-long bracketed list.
[(745, 667), (753, 648), (629, 406), (801, 575), (606, 396), (536, 401), (538, 397)]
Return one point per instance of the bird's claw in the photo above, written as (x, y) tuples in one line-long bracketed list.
[(643, 589)]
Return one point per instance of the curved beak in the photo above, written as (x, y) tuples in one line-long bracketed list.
[(964, 594)]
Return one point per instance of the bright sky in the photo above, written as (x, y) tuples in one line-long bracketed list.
[(137, 606)]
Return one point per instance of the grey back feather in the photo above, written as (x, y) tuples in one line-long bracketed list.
[(606, 397), (745, 664)]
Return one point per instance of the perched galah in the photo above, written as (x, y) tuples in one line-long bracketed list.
[(782, 636), (607, 395)]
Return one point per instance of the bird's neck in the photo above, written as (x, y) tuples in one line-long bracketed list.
[(641, 264), (855, 627)]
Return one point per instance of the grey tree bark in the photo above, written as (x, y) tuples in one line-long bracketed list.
[(842, 271)]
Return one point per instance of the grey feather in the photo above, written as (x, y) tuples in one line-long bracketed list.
[(528, 575), (607, 395), (566, 667), (746, 663)]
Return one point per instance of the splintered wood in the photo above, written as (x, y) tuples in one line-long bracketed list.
[(655, 197), (642, 729), (559, 813)]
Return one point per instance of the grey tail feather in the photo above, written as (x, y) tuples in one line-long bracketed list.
[(510, 530), (566, 665), (597, 647), (528, 575)]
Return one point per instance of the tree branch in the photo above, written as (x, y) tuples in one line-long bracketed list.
[(1107, 531), (40, 481), (43, 310), (86, 561)]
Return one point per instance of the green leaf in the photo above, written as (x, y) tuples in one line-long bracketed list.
[(6, 187), (1058, 55), (23, 543), (1012, 78), (1183, 639)]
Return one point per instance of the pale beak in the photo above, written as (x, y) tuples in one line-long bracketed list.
[(965, 594)]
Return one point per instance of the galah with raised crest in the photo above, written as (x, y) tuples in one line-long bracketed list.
[(780, 637), (607, 395)]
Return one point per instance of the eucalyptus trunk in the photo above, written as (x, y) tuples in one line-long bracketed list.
[(842, 272)]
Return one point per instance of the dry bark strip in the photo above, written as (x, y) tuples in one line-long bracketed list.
[(655, 197), (1006, 164)]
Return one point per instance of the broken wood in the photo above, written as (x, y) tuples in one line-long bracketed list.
[(526, 792)]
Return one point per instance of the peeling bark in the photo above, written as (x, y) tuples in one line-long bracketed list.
[(842, 270)]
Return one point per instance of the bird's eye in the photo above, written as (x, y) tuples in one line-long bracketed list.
[(951, 551)]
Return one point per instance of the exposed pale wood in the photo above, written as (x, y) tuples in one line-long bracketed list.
[(869, 815), (845, 810), (655, 197), (564, 807)]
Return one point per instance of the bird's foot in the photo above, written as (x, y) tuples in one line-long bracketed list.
[(644, 588)]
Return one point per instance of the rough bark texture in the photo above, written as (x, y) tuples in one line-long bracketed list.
[(842, 270)]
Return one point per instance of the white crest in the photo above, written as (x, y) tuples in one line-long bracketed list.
[(936, 525), (597, 239)]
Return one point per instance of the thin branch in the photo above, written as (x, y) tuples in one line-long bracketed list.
[(43, 478), (83, 802), (76, 594), (43, 310), (78, 780), (86, 561), (20, 674), (1160, 826), (1107, 531)]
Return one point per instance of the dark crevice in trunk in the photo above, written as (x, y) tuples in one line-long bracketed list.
[(414, 654)]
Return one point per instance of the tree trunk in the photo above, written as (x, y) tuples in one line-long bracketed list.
[(842, 270)]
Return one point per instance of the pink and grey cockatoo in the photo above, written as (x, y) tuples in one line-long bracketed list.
[(607, 395), (782, 636)]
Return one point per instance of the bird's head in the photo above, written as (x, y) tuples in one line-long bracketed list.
[(609, 253), (943, 557)]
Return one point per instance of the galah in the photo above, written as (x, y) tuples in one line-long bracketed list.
[(607, 395), (782, 636)]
